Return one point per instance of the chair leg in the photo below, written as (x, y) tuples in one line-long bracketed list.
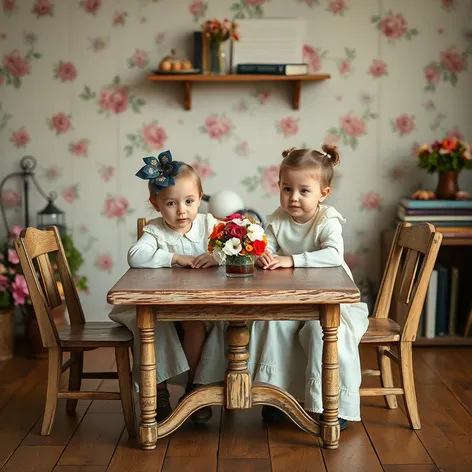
[(408, 382), (385, 364), (54, 376), (75, 379), (123, 368)]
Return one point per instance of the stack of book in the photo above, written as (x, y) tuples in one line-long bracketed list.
[(272, 69), (453, 218)]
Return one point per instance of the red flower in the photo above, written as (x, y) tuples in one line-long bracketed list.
[(258, 247), (235, 231), (234, 216)]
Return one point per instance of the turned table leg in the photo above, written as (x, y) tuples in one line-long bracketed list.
[(238, 383), (330, 376), (147, 378)]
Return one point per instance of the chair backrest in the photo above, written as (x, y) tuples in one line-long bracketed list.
[(141, 223), (407, 273), (42, 259)]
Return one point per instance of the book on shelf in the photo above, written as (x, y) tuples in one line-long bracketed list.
[(406, 215), (437, 211), (442, 301), (201, 52), (272, 69), (435, 204)]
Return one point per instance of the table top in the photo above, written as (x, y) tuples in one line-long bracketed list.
[(179, 286)]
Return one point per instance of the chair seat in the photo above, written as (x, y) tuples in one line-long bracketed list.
[(96, 334), (382, 330)]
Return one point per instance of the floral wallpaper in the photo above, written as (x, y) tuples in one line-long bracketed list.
[(73, 93)]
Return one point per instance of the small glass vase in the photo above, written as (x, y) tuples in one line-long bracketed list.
[(218, 58), (239, 266), (447, 186)]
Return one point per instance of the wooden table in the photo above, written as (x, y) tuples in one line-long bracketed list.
[(207, 294)]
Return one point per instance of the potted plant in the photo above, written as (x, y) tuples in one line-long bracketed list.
[(447, 157)]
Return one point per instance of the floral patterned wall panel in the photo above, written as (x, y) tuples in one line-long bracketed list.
[(73, 93)]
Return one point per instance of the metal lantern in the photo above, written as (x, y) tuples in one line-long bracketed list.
[(51, 216)]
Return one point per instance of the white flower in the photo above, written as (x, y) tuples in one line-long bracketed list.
[(218, 254), (232, 247), (255, 232), (444, 151)]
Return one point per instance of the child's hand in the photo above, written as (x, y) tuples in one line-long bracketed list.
[(204, 260), (280, 261), (266, 259), (183, 261)]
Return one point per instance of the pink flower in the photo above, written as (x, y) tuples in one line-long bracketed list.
[(114, 98), (79, 148), (344, 67), (141, 58), (203, 169), (216, 127), (13, 256), (353, 125), (15, 64), (352, 259), (331, 140), (15, 230), (453, 61), (371, 201), (11, 199), (8, 5), (394, 26), (61, 123), (106, 173), (119, 18), (448, 4), (235, 231), (154, 136), (53, 173), (432, 74), (3, 283), (104, 262), (91, 6), (455, 133), (20, 290), (116, 207), (42, 7), (196, 8), (337, 6), (69, 194), (378, 68), (270, 179), (66, 71), (234, 216), (254, 2), (20, 138), (313, 58), (404, 124), (263, 96), (288, 126)]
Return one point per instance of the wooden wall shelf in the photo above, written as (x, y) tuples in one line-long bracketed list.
[(186, 80)]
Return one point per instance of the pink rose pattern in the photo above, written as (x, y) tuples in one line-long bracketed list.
[(267, 179), (371, 201), (71, 194), (119, 18), (248, 8), (104, 262), (65, 71), (451, 64), (79, 148), (91, 6), (198, 9), (288, 126), (9, 7), (345, 65), (403, 124), (15, 66), (60, 123), (106, 173), (11, 199), (20, 138), (217, 127), (139, 59), (313, 57), (151, 137), (394, 26), (378, 69), (43, 8), (203, 168), (448, 5), (116, 206)]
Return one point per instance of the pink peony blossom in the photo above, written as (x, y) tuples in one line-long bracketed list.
[(154, 136), (116, 207), (104, 262), (432, 74), (11, 199), (344, 67), (66, 71), (196, 8), (20, 290), (13, 256), (288, 126), (42, 7), (91, 6), (3, 283), (378, 68), (61, 123), (79, 148), (114, 98), (218, 128), (453, 61), (337, 6), (15, 64), (371, 201), (353, 125), (270, 179), (69, 194), (313, 58), (20, 138), (394, 26), (404, 124)]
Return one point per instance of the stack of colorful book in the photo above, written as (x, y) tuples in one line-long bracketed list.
[(453, 218)]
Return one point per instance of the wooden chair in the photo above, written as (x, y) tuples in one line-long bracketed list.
[(141, 223), (403, 289), (34, 248)]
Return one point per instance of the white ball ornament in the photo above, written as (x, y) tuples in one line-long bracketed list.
[(224, 203)]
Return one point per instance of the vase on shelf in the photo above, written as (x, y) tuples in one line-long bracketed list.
[(218, 58), (447, 186), (239, 266)]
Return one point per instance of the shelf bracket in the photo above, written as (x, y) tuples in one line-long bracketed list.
[(296, 85), (187, 95)]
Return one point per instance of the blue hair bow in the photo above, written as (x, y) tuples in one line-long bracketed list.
[(160, 170)]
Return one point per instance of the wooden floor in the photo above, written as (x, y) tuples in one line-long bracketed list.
[(94, 439)]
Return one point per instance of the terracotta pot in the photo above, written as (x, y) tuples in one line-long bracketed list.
[(7, 333), (447, 186), (34, 343)]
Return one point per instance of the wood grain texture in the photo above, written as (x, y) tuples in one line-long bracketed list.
[(33, 459), (95, 334), (177, 286), (236, 78)]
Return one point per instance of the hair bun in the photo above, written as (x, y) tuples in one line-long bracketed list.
[(287, 151), (332, 152)]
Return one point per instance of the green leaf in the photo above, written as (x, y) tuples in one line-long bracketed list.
[(128, 150), (37, 55), (116, 80), (375, 19), (453, 78), (235, 7), (16, 82)]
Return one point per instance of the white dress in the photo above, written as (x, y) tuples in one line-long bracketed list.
[(155, 250), (289, 353)]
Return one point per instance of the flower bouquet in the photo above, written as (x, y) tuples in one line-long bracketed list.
[(447, 157), (237, 241)]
